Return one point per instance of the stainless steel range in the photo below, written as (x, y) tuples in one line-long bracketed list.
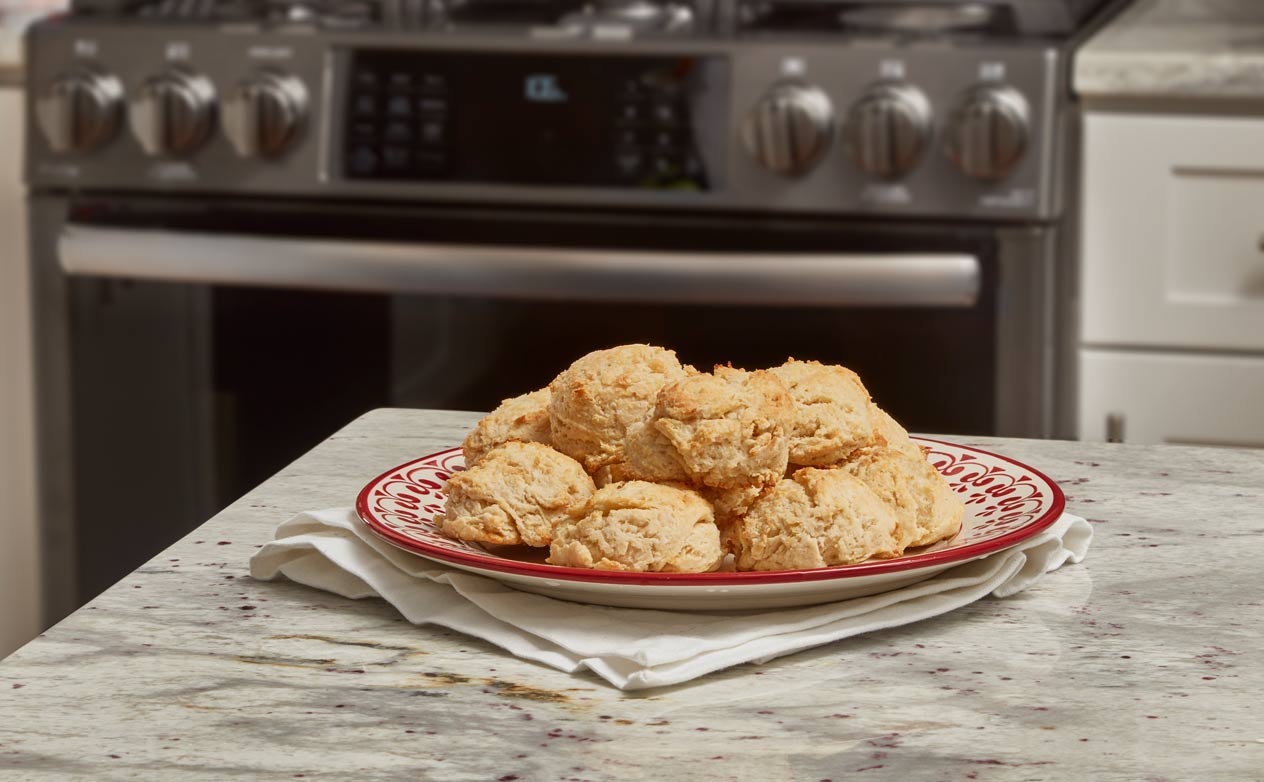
[(253, 219)]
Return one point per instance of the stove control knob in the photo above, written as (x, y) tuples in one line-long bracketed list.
[(79, 111), (173, 113), (790, 129), (886, 131), (987, 134), (265, 114)]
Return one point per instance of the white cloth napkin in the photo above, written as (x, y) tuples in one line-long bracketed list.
[(630, 648)]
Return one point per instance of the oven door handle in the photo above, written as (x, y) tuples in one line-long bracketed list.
[(659, 276)]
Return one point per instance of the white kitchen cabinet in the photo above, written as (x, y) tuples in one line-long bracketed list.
[(1173, 231), (1172, 279), (1187, 398)]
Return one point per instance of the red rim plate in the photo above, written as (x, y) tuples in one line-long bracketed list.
[(1006, 501)]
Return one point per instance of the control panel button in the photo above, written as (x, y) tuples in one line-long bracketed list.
[(886, 131), (665, 166), (789, 130), (400, 81), (396, 160), (362, 161), (365, 105), (265, 113), (434, 84), (630, 163), (987, 134), (665, 139), (398, 132), (666, 113), (79, 111), (433, 131), (399, 106), (432, 106), (173, 113)]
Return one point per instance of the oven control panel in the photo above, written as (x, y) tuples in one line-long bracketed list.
[(752, 125), (525, 119)]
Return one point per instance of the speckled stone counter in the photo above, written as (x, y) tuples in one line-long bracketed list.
[(1144, 662), (1177, 49)]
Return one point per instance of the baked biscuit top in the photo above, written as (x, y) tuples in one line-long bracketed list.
[(832, 415), (602, 394), (722, 430), (643, 527), (515, 495), (523, 419), (817, 518)]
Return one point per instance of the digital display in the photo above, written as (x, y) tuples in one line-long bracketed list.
[(517, 119), (544, 88)]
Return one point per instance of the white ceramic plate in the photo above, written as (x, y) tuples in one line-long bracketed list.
[(1006, 503)]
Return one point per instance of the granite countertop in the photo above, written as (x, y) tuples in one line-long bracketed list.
[(1143, 662), (1177, 49)]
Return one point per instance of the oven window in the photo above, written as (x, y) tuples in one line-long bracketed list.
[(931, 368)]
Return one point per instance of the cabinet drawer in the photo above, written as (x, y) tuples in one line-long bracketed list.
[(1173, 231), (1172, 398)]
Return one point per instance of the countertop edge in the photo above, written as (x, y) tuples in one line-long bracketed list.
[(1161, 50)]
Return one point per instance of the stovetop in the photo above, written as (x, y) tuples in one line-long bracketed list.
[(629, 18)]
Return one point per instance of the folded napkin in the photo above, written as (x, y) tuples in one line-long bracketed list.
[(630, 648)]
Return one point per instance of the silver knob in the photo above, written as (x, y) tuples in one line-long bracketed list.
[(987, 134), (173, 113), (79, 111), (790, 129), (886, 130), (264, 114)]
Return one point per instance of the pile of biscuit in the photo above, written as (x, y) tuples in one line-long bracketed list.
[(631, 461)]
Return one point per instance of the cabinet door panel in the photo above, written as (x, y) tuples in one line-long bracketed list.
[(1173, 243), (1172, 398)]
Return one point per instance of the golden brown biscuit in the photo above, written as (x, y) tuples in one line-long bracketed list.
[(650, 456), (522, 419), (832, 413), (601, 395), (817, 518), (642, 527), (926, 507), (724, 430), (611, 473), (515, 494), (892, 435), (731, 505)]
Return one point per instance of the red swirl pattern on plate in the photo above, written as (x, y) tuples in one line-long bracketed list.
[(407, 500), (1000, 498), (1006, 503)]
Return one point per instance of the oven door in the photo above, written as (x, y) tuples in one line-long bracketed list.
[(213, 342)]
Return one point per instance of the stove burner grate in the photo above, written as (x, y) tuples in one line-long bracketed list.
[(918, 19), (633, 16)]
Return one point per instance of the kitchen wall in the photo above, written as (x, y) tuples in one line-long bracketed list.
[(19, 543)]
